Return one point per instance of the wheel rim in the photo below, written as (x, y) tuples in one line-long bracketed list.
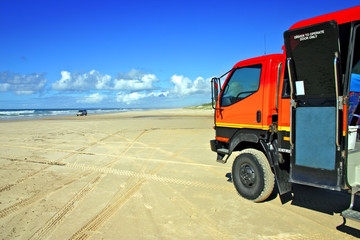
[(247, 175)]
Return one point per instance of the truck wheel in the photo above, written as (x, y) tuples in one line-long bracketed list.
[(252, 175)]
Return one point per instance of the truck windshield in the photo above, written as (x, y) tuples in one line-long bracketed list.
[(242, 83)]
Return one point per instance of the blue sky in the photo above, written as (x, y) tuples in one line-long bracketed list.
[(85, 54)]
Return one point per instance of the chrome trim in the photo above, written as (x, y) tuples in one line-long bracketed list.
[(278, 85), (292, 101), (290, 78), (337, 100), (292, 105)]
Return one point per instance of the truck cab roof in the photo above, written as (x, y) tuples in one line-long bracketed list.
[(269, 57)]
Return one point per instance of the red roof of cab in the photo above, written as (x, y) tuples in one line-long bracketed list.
[(343, 16), (257, 59)]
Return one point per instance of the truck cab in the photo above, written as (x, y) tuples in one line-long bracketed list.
[(293, 117), (247, 100)]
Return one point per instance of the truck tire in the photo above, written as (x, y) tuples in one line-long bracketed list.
[(252, 175)]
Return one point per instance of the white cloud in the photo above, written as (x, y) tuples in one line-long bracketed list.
[(135, 87), (19, 92), (93, 98), (129, 98), (183, 86), (133, 97), (22, 84), (82, 82), (135, 81), (159, 94), (4, 87)]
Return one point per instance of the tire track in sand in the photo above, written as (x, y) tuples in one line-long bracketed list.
[(7, 187), (106, 213), (57, 162), (60, 216), (71, 152), (37, 196), (212, 168), (113, 206), (118, 157), (41, 193), (119, 200), (107, 169), (52, 223), (151, 177), (194, 213)]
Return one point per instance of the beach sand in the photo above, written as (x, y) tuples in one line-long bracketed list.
[(142, 175)]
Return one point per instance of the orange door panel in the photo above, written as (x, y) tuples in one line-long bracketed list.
[(241, 103), (242, 114)]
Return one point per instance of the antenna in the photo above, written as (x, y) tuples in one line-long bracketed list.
[(265, 44)]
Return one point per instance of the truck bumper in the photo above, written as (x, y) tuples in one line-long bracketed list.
[(213, 145)]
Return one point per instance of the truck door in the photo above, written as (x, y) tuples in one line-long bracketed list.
[(313, 60), (241, 99)]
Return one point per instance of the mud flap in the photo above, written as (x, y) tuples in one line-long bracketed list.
[(282, 180)]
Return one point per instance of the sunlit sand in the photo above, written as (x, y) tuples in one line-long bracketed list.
[(134, 175)]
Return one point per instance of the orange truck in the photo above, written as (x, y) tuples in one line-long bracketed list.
[(292, 117)]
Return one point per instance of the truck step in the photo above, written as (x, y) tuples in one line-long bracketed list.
[(223, 151), (351, 214), (221, 154), (221, 161)]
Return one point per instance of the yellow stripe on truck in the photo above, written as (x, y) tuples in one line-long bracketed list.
[(282, 128), (233, 125)]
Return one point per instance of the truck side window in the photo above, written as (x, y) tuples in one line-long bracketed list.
[(242, 83), (286, 86)]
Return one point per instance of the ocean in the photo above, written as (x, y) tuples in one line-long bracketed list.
[(23, 114)]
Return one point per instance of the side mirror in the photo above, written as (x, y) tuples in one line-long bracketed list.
[(215, 90)]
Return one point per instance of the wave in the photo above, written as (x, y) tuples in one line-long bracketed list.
[(14, 114)]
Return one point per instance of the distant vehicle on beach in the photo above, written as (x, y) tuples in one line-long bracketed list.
[(81, 113)]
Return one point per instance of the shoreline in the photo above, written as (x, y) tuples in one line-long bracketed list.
[(178, 112), (113, 115)]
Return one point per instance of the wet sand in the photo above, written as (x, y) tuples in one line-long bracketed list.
[(142, 175)]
